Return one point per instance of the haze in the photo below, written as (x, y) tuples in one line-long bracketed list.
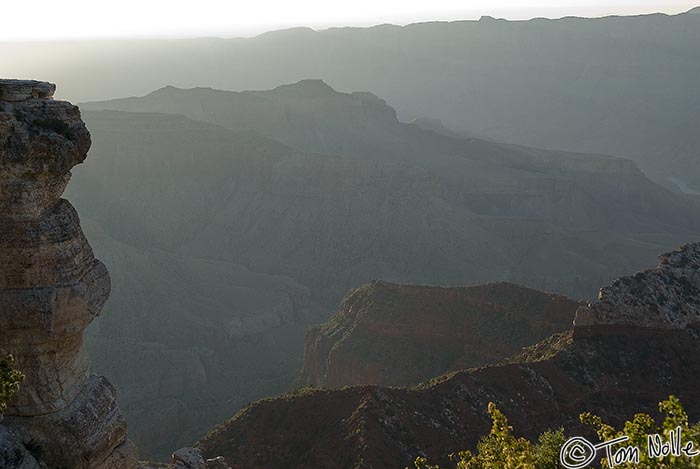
[(134, 18), (327, 235)]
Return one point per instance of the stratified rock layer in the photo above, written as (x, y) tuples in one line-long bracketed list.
[(51, 287), (397, 335), (634, 347)]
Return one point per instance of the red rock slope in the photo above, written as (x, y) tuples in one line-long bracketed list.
[(398, 335), (630, 349)]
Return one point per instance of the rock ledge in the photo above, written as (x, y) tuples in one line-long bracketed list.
[(21, 90)]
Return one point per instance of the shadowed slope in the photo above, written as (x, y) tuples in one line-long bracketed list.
[(615, 370), (399, 335)]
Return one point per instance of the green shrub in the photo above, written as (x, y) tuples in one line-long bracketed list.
[(500, 449), (10, 380), (643, 425)]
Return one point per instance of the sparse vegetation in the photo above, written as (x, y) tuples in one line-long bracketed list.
[(643, 425), (500, 449), (544, 349), (10, 380)]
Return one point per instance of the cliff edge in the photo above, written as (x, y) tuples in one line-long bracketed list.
[(667, 297), (51, 288)]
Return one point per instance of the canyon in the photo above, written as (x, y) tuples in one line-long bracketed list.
[(186, 192), (386, 228), (629, 349), (414, 365)]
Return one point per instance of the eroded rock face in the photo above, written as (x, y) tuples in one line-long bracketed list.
[(22, 90), (13, 453), (51, 287), (665, 297)]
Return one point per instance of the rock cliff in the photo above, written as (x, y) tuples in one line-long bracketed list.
[(398, 335), (666, 297), (51, 288), (624, 355)]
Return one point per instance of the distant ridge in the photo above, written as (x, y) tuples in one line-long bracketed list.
[(510, 81), (306, 87)]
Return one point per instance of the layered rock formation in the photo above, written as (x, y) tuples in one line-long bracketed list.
[(51, 287), (667, 297), (626, 353), (397, 335)]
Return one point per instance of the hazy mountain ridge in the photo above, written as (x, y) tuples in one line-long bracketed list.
[(486, 183), (615, 85), (312, 117), (196, 200)]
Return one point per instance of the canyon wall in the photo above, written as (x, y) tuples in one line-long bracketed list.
[(51, 288), (632, 348)]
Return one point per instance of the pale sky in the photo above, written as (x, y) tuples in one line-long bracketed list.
[(74, 19)]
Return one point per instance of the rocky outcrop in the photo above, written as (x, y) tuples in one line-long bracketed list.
[(51, 287), (398, 335), (191, 458), (622, 358), (666, 297), (22, 90), (13, 454)]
